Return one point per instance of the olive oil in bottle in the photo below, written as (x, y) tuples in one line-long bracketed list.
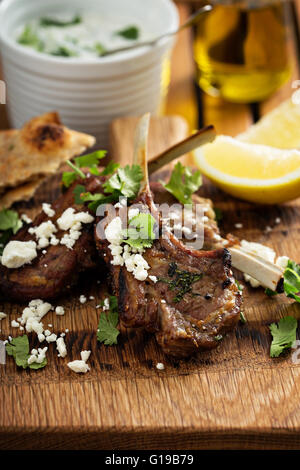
[(241, 49)]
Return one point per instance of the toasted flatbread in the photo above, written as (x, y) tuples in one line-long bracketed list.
[(38, 148), (23, 192)]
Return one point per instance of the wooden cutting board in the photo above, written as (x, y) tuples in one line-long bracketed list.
[(235, 397)]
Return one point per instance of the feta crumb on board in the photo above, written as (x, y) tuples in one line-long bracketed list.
[(48, 209), (82, 299), (60, 310), (16, 253), (2, 315), (61, 346), (80, 366), (160, 366)]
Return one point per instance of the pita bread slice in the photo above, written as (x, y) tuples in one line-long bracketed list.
[(38, 148), (24, 192)]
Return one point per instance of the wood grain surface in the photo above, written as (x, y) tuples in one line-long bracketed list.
[(235, 397)]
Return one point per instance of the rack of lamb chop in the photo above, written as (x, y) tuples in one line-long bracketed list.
[(188, 298)]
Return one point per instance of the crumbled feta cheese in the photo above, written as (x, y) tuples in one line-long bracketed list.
[(268, 229), (114, 231), (2, 315), (91, 297), (85, 355), (277, 220), (82, 299), (71, 219), (61, 347), (153, 278), (17, 253), (160, 366), (26, 219), (106, 304), (15, 324), (258, 249), (163, 301), (48, 209), (51, 338), (43, 233), (59, 310), (41, 337), (238, 225), (47, 333), (78, 366), (37, 355)]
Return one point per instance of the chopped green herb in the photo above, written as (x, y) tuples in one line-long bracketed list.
[(107, 329), (125, 182), (29, 38), (10, 224), (63, 51), (97, 199), (270, 292), (18, 348), (78, 191), (181, 281), (242, 318), (90, 161), (99, 48), (110, 168), (45, 21), (183, 183), (291, 280), (238, 285), (284, 335), (218, 214), (131, 33), (140, 232), (218, 337)]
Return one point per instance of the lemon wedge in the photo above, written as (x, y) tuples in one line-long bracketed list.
[(256, 173), (279, 128)]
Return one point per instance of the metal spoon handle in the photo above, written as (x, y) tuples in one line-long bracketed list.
[(193, 19)]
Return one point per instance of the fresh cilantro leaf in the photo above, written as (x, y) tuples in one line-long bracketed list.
[(110, 168), (107, 329), (29, 38), (9, 225), (125, 182), (284, 335), (90, 160), (18, 348), (131, 33), (140, 233), (183, 183), (9, 219), (78, 190), (270, 292), (76, 170), (68, 178), (45, 21), (291, 280), (96, 199)]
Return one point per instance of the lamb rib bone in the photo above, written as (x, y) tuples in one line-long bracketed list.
[(266, 273)]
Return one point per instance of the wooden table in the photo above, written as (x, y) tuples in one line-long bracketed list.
[(235, 397)]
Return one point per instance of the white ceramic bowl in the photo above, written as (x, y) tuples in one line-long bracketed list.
[(88, 93)]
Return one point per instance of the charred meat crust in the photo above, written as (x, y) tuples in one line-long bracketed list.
[(51, 275), (183, 326)]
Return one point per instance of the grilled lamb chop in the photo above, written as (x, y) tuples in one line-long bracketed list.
[(192, 300), (55, 272)]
